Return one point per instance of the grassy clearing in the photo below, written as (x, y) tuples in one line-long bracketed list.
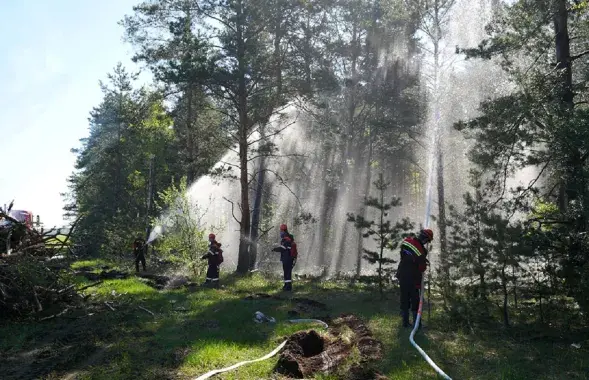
[(194, 332)]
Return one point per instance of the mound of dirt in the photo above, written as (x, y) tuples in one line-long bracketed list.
[(307, 352)]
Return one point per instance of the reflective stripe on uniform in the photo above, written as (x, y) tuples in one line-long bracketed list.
[(413, 248), (287, 280)]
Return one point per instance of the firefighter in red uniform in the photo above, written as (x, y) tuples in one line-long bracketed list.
[(288, 255), (410, 271), (215, 258)]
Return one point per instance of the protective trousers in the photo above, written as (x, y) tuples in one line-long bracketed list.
[(409, 300), (213, 274), (139, 258), (287, 269)]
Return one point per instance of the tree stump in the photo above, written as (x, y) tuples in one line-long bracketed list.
[(307, 352)]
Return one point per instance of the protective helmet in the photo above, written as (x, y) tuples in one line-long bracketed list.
[(211, 236), (283, 227), (427, 233)]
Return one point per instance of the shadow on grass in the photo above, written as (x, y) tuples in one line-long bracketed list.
[(194, 332)]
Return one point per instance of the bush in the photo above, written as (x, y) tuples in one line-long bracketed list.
[(185, 239)]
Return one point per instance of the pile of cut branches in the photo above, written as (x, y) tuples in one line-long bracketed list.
[(31, 284)]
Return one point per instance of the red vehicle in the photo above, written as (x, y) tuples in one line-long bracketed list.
[(11, 236), (25, 217)]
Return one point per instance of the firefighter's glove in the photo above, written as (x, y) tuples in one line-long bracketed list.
[(277, 249), (294, 262)]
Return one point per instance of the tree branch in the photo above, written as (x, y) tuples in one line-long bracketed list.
[(233, 210), (577, 56)]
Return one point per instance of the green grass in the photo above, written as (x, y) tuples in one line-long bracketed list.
[(57, 241), (195, 332)]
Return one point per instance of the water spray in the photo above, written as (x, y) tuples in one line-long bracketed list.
[(421, 292)]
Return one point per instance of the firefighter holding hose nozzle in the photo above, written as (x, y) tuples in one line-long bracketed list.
[(139, 249), (410, 272), (215, 258), (288, 255)]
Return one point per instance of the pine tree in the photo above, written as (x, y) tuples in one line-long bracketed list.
[(542, 123), (382, 231), (109, 188)]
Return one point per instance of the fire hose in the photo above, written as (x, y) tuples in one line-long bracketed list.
[(421, 291), (268, 356), (412, 335)]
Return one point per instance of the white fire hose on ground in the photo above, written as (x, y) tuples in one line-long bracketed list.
[(259, 318), (412, 335)]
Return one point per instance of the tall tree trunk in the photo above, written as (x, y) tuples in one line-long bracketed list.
[(190, 172), (349, 139), (118, 179), (257, 209), (514, 288), (363, 207), (307, 57), (567, 191), (256, 212), (380, 287), (329, 196), (439, 155), (243, 261), (505, 294)]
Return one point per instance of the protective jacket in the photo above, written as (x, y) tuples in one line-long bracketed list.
[(138, 247), (285, 247), (413, 261), (214, 254)]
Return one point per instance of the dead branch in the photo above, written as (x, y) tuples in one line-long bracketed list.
[(283, 182), (39, 307), (89, 286), (264, 232), (55, 315), (233, 210), (109, 306), (577, 56), (150, 312)]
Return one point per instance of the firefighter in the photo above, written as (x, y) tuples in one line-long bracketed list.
[(288, 256), (410, 271), (215, 258), (139, 248)]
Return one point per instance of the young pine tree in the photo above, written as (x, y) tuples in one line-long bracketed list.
[(382, 231)]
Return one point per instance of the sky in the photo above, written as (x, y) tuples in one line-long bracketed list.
[(53, 53)]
